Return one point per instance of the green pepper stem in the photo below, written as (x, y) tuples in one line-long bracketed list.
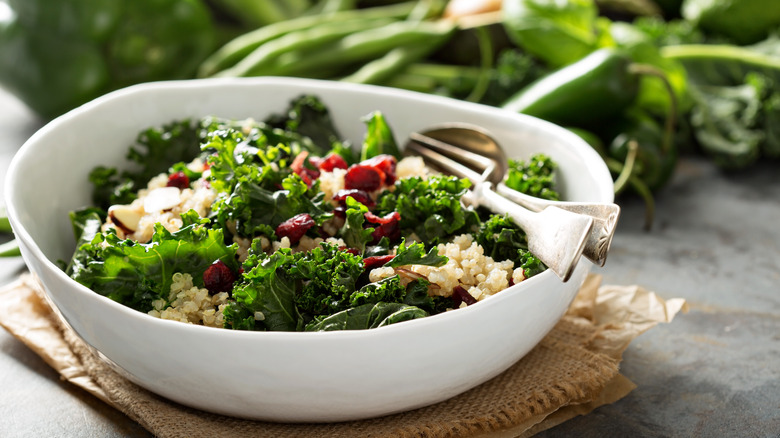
[(671, 115), (639, 187), (627, 168)]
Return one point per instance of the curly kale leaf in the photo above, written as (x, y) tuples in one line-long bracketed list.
[(385, 290), (259, 134), (309, 117), (417, 296), (86, 225), (155, 151), (135, 274), (265, 290), (329, 279), (503, 240), (535, 177), (414, 254), (430, 208), (367, 316), (735, 125), (235, 157), (254, 209)]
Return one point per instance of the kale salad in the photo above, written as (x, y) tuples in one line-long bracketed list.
[(281, 225)]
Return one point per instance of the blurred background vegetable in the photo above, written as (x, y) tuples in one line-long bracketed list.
[(641, 80)]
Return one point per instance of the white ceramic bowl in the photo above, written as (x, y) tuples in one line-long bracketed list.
[(302, 377)]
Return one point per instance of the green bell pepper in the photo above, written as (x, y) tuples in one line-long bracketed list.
[(55, 56)]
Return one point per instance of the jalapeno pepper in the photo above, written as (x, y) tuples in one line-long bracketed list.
[(55, 56), (595, 88)]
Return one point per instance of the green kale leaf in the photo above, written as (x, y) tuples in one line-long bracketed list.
[(353, 232), (414, 254), (309, 117), (430, 207), (367, 316), (329, 279), (385, 290), (155, 151), (379, 138), (265, 290), (135, 274), (535, 177), (254, 208), (503, 240)]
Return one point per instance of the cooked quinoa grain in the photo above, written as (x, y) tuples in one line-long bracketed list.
[(189, 303)]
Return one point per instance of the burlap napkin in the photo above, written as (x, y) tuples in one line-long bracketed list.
[(571, 372)]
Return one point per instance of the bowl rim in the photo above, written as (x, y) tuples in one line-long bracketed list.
[(28, 243)]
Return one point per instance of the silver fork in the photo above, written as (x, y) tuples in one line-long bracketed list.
[(556, 236), (605, 215)]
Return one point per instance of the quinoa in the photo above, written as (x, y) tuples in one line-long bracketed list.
[(467, 266), (191, 304)]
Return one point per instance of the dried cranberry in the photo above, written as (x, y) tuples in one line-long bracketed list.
[(218, 277), (362, 178), (385, 164), (332, 161), (386, 219), (358, 195), (461, 295), (390, 230), (179, 180), (376, 261), (353, 251), (384, 226), (307, 174), (340, 212), (295, 227)]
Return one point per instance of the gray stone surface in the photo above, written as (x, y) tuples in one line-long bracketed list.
[(712, 372)]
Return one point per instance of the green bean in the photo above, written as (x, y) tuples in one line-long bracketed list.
[(262, 59), (236, 49), (362, 46), (381, 69), (10, 249)]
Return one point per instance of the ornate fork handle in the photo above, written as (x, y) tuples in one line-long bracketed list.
[(605, 217)]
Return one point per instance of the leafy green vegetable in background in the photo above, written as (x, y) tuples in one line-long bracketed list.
[(135, 274), (743, 21), (255, 13), (653, 96), (557, 32), (57, 55), (733, 124)]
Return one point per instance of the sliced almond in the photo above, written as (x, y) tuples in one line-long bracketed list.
[(162, 198), (125, 217)]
